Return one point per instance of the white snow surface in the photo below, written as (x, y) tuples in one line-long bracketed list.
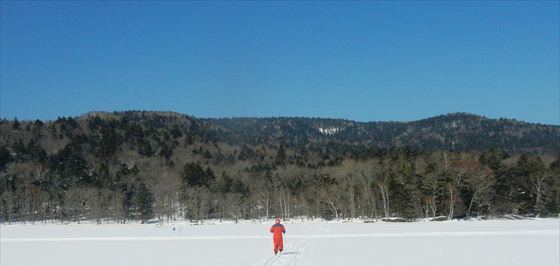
[(489, 242)]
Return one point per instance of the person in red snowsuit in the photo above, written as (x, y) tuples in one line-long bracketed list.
[(277, 230)]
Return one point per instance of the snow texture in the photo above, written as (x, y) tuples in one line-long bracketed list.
[(493, 242), (329, 131)]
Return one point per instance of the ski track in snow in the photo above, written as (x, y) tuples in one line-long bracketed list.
[(290, 257), (271, 260)]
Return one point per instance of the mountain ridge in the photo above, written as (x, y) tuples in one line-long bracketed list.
[(453, 131)]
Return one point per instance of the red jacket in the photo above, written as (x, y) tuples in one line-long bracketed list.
[(277, 230)]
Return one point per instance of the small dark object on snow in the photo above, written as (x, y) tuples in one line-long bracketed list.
[(439, 219), (513, 217), (394, 220), (153, 221)]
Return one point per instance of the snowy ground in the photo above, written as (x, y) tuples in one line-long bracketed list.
[(496, 242)]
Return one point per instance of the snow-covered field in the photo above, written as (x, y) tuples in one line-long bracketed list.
[(494, 242)]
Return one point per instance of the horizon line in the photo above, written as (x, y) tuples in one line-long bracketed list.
[(280, 117)]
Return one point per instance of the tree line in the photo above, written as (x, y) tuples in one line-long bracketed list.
[(144, 165)]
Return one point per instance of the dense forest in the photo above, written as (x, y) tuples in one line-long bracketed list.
[(139, 165)]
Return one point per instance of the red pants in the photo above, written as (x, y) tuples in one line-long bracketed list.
[(278, 245)]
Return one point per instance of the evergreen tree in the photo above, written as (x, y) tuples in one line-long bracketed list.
[(16, 124), (281, 156), (144, 202), (145, 148), (20, 151), (194, 175), (5, 157), (552, 194)]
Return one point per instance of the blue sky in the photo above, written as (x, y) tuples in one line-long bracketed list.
[(365, 61)]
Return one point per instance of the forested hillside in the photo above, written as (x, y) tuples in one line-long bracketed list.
[(140, 165)]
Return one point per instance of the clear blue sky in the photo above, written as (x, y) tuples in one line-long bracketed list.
[(363, 61)]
